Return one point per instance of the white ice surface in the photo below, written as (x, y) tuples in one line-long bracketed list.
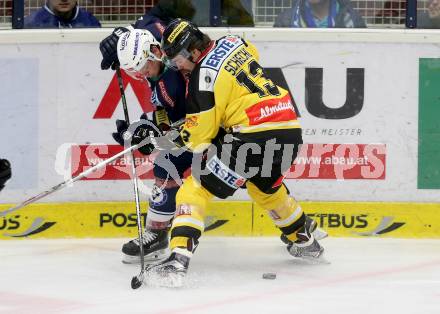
[(371, 275)]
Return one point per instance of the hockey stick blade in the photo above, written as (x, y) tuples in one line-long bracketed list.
[(136, 281)]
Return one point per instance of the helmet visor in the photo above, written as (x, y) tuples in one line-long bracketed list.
[(173, 63)]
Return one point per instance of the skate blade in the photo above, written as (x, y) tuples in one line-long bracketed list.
[(319, 234), (154, 257), (321, 259)]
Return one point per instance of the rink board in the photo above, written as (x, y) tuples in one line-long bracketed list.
[(224, 218), (370, 126)]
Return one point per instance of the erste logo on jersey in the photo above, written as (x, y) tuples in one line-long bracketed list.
[(272, 110), (225, 174), (223, 49), (214, 60)]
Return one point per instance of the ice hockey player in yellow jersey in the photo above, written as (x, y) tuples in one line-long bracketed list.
[(247, 131)]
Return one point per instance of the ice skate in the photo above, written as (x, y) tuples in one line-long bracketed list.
[(170, 272), (155, 245), (310, 249), (306, 246), (313, 228)]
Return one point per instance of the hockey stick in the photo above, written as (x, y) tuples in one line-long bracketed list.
[(136, 281), (67, 182)]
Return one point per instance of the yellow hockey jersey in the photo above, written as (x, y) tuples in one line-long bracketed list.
[(228, 88)]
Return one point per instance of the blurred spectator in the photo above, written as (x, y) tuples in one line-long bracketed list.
[(393, 12), (5, 172), (60, 14), (320, 13), (431, 17), (234, 13)]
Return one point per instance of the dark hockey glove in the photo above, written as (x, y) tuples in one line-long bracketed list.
[(5, 172), (142, 131), (109, 51), (121, 128)]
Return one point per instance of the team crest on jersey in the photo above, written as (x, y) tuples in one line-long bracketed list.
[(158, 196), (191, 122)]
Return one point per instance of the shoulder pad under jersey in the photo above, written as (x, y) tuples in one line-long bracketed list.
[(212, 63)]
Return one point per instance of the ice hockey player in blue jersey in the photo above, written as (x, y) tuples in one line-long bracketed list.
[(168, 92), (138, 53), (153, 21), (60, 14)]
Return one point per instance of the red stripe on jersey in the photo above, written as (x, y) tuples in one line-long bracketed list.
[(165, 95), (206, 51), (278, 182), (271, 110)]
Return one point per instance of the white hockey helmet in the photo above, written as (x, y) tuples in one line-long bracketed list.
[(134, 50)]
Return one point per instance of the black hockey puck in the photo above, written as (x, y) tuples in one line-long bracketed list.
[(135, 282), (269, 276)]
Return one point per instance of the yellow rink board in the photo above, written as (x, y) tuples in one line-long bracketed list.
[(224, 218), (112, 219), (360, 219)]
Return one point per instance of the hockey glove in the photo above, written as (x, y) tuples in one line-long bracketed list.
[(5, 172), (109, 51), (121, 128), (142, 131), (169, 137)]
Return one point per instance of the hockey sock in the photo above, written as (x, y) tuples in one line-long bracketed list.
[(188, 223), (187, 227), (162, 204), (284, 211)]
